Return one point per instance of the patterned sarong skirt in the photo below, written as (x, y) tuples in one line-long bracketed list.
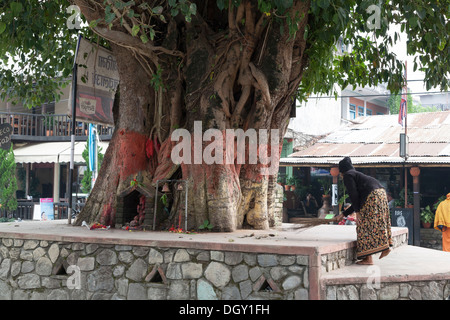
[(373, 227)]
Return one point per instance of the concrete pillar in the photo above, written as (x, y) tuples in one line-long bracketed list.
[(27, 179), (56, 177), (415, 172)]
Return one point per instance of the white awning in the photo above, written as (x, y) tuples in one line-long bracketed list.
[(52, 152)]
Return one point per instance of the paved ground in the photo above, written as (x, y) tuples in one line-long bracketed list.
[(285, 237), (406, 262), (318, 237)]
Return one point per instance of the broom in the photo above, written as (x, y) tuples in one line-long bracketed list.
[(305, 223)]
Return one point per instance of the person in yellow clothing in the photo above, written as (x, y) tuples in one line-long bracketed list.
[(442, 222)]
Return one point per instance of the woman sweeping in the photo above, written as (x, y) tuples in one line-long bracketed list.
[(369, 202)]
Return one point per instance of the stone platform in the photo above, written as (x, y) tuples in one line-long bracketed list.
[(277, 264)]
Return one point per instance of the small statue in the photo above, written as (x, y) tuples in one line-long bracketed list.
[(135, 222)]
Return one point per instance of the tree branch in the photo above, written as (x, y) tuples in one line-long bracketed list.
[(249, 19), (125, 40), (231, 17), (261, 82), (246, 90), (119, 15), (221, 83), (121, 38)]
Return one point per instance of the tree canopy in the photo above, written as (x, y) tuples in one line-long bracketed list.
[(8, 182), (37, 44)]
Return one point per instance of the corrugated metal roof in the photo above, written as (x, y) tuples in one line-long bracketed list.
[(333, 161), (375, 139)]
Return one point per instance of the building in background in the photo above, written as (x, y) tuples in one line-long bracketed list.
[(441, 101), (42, 147)]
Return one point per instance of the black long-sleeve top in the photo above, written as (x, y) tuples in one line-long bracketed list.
[(358, 186)]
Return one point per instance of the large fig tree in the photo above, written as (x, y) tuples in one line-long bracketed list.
[(215, 64)]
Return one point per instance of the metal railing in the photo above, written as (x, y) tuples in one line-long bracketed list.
[(61, 209), (47, 125), (25, 210)]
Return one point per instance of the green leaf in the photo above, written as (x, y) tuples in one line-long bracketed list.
[(93, 24), (144, 38), (109, 17), (441, 45), (152, 34), (193, 8), (164, 199), (222, 4), (324, 4), (413, 22), (157, 10), (283, 4), (2, 27), (135, 30), (16, 8)]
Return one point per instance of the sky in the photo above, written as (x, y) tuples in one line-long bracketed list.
[(400, 50)]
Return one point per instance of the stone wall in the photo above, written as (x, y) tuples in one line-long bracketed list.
[(341, 258), (411, 290), (431, 238), (418, 290), (278, 206), (50, 270)]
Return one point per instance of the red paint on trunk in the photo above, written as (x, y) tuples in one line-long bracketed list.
[(107, 216), (131, 151)]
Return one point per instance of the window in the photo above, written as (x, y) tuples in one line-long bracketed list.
[(352, 111), (368, 112), (360, 111)]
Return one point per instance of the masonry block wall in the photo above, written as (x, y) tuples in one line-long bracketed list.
[(51, 270), (431, 238), (413, 290)]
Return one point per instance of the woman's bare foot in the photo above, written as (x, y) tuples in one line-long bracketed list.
[(366, 261), (384, 253)]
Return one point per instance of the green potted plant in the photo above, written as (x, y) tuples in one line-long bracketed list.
[(49, 122), (427, 217), (301, 191), (291, 182), (438, 201), (281, 179), (325, 183), (343, 196), (400, 202)]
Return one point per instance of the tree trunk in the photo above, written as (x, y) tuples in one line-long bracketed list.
[(126, 155), (245, 78)]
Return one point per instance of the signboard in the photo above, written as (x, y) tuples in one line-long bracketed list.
[(404, 217), (37, 212), (46, 209), (334, 195), (97, 81), (5, 136)]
